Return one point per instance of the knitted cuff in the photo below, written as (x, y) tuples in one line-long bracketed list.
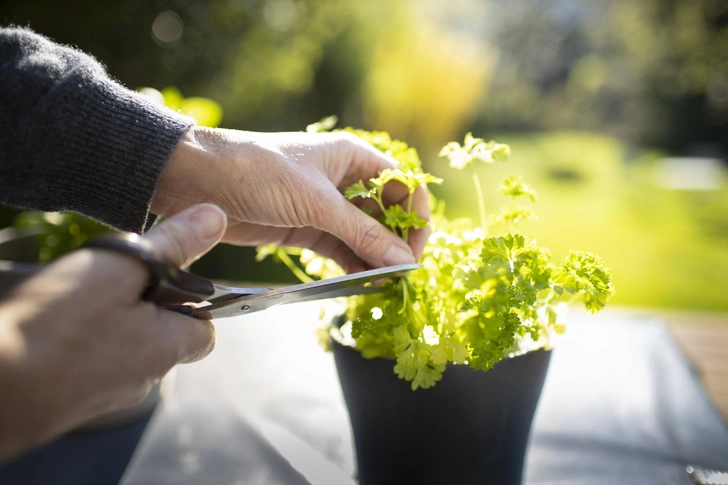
[(110, 153)]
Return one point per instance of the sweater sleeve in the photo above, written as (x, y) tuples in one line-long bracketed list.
[(72, 139)]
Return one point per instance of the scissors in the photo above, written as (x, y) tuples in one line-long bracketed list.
[(169, 286)]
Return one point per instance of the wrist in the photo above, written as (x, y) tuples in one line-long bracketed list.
[(191, 169)]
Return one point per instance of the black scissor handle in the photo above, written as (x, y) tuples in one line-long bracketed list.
[(167, 283)]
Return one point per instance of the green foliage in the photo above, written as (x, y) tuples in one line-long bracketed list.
[(58, 233), (598, 194), (474, 149), (477, 299), (325, 124), (584, 274), (513, 186), (205, 111)]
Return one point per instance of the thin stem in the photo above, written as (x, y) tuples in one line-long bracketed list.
[(380, 203), (300, 274), (405, 231), (481, 201), (405, 294)]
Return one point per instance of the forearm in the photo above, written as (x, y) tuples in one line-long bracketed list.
[(73, 139)]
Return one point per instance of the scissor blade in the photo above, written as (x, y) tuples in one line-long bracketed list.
[(343, 292), (223, 293), (347, 285)]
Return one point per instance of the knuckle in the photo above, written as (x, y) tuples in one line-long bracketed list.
[(345, 138)]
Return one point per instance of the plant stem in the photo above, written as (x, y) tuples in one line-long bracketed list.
[(300, 274), (405, 231), (481, 201), (380, 203)]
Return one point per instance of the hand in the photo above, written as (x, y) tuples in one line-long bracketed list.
[(76, 342), (286, 188)]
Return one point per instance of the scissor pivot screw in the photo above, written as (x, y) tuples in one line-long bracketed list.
[(245, 308)]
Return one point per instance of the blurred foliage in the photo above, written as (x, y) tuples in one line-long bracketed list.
[(57, 233), (205, 111), (653, 72), (665, 248), (423, 83), (251, 56), (281, 64)]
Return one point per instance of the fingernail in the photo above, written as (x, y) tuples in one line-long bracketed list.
[(209, 221), (398, 255)]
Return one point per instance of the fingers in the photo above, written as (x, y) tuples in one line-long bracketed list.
[(365, 160), (369, 162), (189, 234), (397, 193), (326, 245), (181, 239), (367, 238), (189, 339)]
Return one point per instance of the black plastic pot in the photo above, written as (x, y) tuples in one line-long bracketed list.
[(471, 428)]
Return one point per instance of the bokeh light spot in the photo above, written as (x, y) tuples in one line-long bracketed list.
[(167, 27), (280, 15)]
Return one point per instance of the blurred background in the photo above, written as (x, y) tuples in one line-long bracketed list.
[(616, 110)]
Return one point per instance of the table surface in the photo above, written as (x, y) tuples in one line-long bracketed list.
[(621, 404), (702, 337)]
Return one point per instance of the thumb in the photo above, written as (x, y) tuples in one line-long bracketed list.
[(189, 234), (369, 239)]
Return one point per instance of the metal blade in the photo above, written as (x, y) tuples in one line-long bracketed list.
[(329, 288), (223, 293)]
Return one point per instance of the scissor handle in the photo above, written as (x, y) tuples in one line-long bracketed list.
[(167, 283)]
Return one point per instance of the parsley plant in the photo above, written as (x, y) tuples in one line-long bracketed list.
[(478, 297)]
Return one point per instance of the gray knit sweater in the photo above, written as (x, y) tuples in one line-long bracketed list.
[(73, 139)]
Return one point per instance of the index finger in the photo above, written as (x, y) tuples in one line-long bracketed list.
[(365, 161), (374, 161), (172, 339)]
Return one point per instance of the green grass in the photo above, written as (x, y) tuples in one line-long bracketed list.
[(665, 248)]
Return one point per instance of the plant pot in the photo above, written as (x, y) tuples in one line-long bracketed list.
[(470, 428)]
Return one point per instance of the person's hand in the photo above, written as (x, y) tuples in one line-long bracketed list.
[(76, 342), (286, 188)]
